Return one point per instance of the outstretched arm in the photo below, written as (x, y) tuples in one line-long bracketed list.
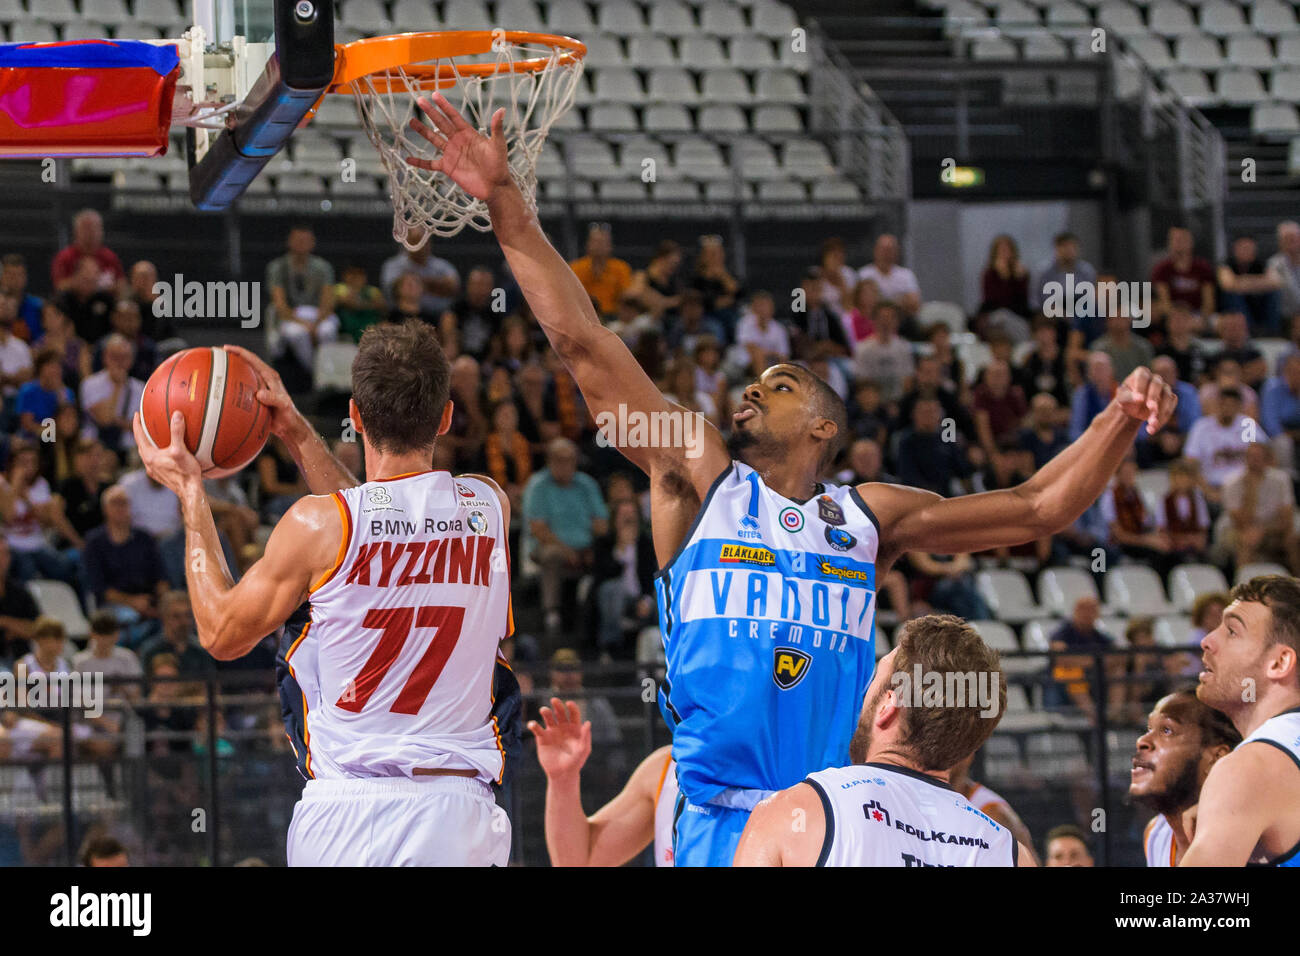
[(232, 618), (617, 831), (605, 370), (1063, 489)]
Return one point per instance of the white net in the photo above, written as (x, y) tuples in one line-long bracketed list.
[(429, 203)]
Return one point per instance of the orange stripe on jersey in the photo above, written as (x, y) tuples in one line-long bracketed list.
[(346, 517), (306, 734), (409, 474), (663, 775)]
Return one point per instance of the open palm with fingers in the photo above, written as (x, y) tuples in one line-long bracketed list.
[(563, 738), (477, 164)]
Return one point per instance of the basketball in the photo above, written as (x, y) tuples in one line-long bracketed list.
[(225, 425)]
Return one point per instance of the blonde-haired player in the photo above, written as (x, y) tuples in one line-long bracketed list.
[(622, 828), (388, 687)]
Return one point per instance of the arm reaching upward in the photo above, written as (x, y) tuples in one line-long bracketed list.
[(604, 369), (1062, 490)]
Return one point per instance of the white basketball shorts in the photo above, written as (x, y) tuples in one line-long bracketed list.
[(399, 821)]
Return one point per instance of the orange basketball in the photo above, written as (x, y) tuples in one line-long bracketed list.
[(225, 425)]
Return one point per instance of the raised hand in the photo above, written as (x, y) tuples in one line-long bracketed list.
[(563, 738), (1147, 397), (476, 163)]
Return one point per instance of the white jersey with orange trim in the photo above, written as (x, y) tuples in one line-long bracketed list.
[(885, 815), (395, 666), (1159, 845), (665, 803), (982, 798)]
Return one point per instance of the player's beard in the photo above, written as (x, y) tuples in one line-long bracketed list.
[(860, 743), (1179, 795), (750, 445)]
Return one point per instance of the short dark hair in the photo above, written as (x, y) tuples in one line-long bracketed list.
[(1281, 595), (99, 847), (401, 381), (1062, 238), (1215, 727), (14, 259), (942, 737), (104, 622), (1230, 391), (826, 403), (1067, 830)]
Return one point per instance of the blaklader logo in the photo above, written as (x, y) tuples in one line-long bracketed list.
[(76, 909)]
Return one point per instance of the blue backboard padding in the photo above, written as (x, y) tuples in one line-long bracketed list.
[(91, 55)]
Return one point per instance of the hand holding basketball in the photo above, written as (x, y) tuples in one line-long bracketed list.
[(286, 421), (173, 466), (1147, 397), (563, 738), (476, 163)]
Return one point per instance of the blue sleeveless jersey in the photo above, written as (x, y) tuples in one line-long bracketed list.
[(767, 614), (1282, 732)]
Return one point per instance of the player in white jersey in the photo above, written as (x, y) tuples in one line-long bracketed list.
[(1184, 740), (895, 806), (1249, 811), (390, 674), (641, 812), (990, 803), (786, 431)]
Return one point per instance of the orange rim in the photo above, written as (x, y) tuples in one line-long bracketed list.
[(413, 51)]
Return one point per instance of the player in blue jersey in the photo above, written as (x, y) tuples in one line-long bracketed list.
[(1249, 810), (768, 580)]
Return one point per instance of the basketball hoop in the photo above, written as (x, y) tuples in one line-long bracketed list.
[(533, 75)]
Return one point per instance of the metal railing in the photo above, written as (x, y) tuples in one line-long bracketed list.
[(209, 779)]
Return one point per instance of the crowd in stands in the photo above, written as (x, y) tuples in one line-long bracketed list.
[(954, 407)]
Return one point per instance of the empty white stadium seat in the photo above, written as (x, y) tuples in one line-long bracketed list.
[(603, 49), (1067, 13), (368, 16), (516, 15), (1170, 18), (1257, 569), (701, 52), (1135, 589), (1249, 51), (1284, 84), (1060, 588), (332, 368), (723, 118), (1038, 634), (668, 118), (1002, 639), (700, 159), (1191, 85), (723, 19), (724, 86), (949, 313), (751, 53), (590, 157), (782, 190), (84, 30), (620, 16), (55, 11), (571, 17), (299, 184), (1121, 16), (993, 48), (1223, 18), (675, 190), (1274, 119), (1173, 630), (649, 51), (1188, 581), (1115, 627), (112, 12), (779, 86), (1152, 50), (1015, 12), (56, 599), (1273, 17), (835, 190), (727, 190), (467, 15), (672, 18), (806, 159), (773, 19), (775, 118), (617, 85), (1020, 715), (1044, 47), (1008, 596), (621, 190), (1198, 51)]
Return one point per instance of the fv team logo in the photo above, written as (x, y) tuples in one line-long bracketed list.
[(789, 666), (792, 520)]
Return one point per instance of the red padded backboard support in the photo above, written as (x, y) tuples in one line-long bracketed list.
[(81, 108)]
